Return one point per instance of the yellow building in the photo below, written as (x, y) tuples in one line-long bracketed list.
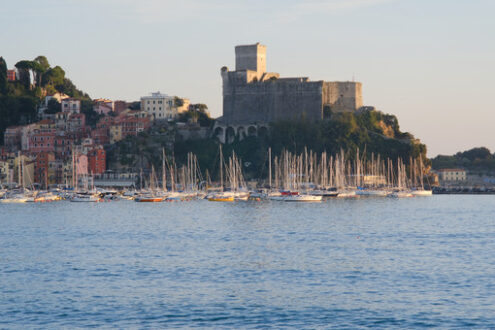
[(115, 133)]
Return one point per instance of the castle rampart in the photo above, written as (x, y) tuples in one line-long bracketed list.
[(253, 96)]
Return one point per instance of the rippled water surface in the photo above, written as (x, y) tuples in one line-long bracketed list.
[(415, 262)]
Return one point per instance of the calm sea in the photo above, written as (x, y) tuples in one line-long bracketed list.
[(384, 263)]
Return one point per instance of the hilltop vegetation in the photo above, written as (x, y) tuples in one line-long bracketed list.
[(370, 132), (36, 79), (477, 160)]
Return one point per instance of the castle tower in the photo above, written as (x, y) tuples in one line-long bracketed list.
[(251, 57)]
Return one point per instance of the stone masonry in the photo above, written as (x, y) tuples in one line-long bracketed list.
[(253, 96)]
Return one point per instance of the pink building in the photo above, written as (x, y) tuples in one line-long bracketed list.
[(100, 135), (76, 121), (42, 139), (81, 164), (119, 106), (103, 106), (63, 145), (102, 109)]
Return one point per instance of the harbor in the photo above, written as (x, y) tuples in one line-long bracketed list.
[(305, 177)]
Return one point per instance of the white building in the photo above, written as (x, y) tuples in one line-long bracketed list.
[(71, 105), (452, 174), (161, 106)]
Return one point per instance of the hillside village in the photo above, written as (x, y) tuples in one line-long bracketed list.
[(64, 141)]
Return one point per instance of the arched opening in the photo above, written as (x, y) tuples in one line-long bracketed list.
[(241, 132), (251, 131), (229, 135), (218, 133), (262, 131)]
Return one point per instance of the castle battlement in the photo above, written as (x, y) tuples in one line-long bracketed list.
[(252, 95)]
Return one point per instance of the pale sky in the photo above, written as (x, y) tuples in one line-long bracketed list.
[(429, 62)]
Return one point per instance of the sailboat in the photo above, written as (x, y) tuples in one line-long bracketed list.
[(421, 192), (151, 196)]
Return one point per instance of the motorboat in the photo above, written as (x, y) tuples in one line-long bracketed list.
[(149, 199), (422, 192), (81, 198)]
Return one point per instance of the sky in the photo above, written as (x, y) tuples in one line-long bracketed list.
[(429, 62)]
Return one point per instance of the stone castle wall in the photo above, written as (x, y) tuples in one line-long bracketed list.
[(251, 95)]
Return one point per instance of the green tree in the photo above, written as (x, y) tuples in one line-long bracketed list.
[(3, 76), (54, 76), (54, 106), (40, 66), (24, 69)]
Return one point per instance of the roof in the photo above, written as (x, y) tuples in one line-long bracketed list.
[(46, 121)]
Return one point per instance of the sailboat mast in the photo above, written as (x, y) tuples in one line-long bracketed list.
[(270, 168)]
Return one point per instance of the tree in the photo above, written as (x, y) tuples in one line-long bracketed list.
[(3, 76), (24, 68), (54, 106), (178, 102), (54, 76), (40, 66), (475, 153)]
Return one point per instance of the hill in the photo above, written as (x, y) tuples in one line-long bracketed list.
[(367, 131), (19, 99)]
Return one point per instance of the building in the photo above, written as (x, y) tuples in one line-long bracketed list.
[(115, 133), (100, 135), (252, 96), (12, 137), (160, 106), (133, 126), (97, 161), (44, 106), (452, 174), (75, 122), (103, 106), (42, 140), (71, 105), (45, 169), (119, 106), (63, 144), (11, 75)]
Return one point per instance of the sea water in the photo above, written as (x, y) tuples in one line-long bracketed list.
[(368, 262)]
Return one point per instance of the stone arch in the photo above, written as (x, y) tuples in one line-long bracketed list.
[(241, 132), (252, 131), (262, 131), (218, 133), (229, 134)]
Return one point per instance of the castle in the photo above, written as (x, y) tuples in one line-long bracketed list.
[(252, 97)]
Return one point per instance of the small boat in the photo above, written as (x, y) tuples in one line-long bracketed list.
[(324, 193), (221, 198), (372, 192), (302, 198), (14, 199), (291, 196), (346, 194), (400, 194), (81, 198), (149, 199), (422, 192)]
